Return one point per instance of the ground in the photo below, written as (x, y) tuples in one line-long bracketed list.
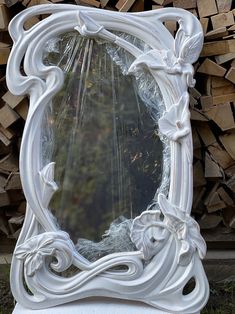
[(222, 297)]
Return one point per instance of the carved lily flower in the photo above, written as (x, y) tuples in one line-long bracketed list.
[(149, 233), (186, 229), (33, 252), (175, 123), (186, 51), (48, 185), (156, 60)]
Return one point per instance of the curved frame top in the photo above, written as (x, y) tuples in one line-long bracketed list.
[(157, 273)]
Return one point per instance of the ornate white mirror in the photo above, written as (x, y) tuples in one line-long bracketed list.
[(106, 158)]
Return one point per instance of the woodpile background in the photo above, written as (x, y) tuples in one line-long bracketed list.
[(212, 105)]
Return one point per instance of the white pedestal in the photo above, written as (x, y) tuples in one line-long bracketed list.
[(94, 306)]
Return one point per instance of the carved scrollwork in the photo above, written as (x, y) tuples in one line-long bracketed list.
[(35, 250)]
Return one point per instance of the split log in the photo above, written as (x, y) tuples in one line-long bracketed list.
[(206, 10), (211, 68), (223, 19), (228, 141)]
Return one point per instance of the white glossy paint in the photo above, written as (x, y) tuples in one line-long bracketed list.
[(158, 272), (89, 306)]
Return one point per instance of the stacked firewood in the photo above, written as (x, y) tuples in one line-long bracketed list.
[(212, 108), (212, 104), (13, 112)]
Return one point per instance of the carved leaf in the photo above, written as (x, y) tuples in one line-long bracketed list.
[(33, 263), (22, 251), (187, 48), (179, 39), (191, 48), (48, 185)]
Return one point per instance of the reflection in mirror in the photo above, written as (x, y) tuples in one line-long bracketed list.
[(101, 132)]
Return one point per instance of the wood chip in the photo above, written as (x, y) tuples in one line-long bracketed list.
[(4, 17), (93, 3), (224, 5), (4, 54), (9, 163), (12, 100), (229, 217), (17, 220), (225, 196), (198, 194), (4, 198), (220, 155), (185, 4), (211, 68), (228, 141), (138, 6), (3, 180), (216, 48), (4, 139), (206, 10), (204, 22), (219, 91), (222, 115), (230, 172), (22, 109), (225, 58), (10, 3), (13, 182), (196, 115), (209, 221), (212, 169), (216, 33), (206, 134), (196, 139), (31, 22), (8, 116), (215, 203), (199, 179), (7, 132), (208, 101), (124, 5), (171, 26), (222, 19), (231, 75), (219, 82), (3, 223)]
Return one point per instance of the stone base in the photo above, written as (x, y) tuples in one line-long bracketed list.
[(94, 306)]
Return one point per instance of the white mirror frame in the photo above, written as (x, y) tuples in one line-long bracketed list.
[(176, 257)]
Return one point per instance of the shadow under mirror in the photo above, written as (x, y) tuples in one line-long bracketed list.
[(101, 132)]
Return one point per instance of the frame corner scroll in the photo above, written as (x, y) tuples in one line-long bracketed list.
[(165, 261)]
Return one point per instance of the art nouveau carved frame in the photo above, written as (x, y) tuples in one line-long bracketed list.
[(176, 257)]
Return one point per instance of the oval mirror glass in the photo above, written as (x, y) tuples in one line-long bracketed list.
[(101, 131)]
